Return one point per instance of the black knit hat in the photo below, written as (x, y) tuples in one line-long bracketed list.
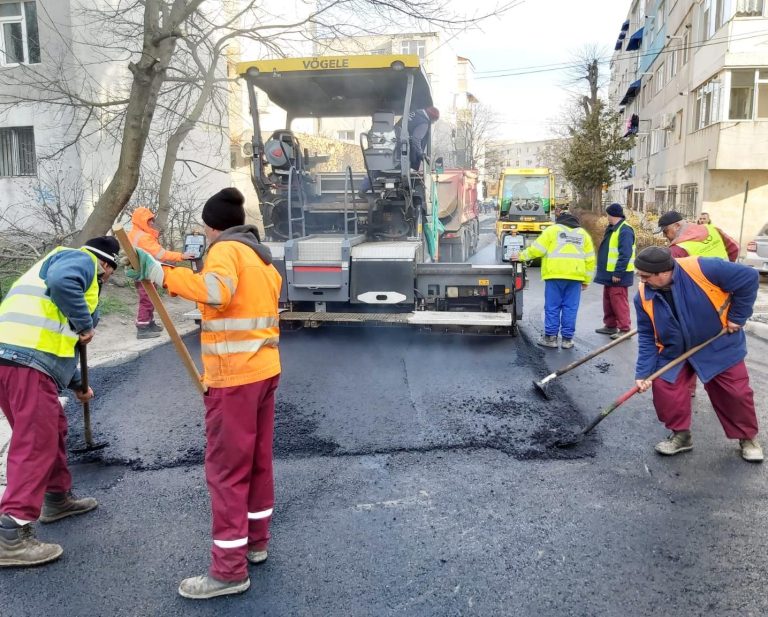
[(105, 248), (670, 218), (615, 210), (225, 209), (654, 259)]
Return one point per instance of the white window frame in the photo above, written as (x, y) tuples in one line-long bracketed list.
[(658, 79), (416, 47), (706, 104), (750, 8), (22, 20), (756, 83), (346, 135)]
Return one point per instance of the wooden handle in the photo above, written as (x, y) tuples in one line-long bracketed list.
[(686, 355), (86, 405), (157, 302)]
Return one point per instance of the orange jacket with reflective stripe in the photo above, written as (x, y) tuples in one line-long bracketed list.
[(237, 291), (716, 295), (142, 236)]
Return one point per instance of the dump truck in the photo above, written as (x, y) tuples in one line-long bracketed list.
[(374, 260), (459, 214), (525, 199)]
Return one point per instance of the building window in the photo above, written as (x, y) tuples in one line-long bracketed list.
[(707, 105), (416, 48), (688, 196), (658, 79), (384, 51), (678, 126), (17, 151), (749, 95), (749, 8), (19, 39), (346, 135), (686, 48), (672, 64), (660, 14), (671, 198)]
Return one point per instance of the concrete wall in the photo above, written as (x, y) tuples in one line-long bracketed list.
[(724, 200)]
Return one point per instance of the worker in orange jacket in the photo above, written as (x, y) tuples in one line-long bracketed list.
[(143, 235), (237, 290)]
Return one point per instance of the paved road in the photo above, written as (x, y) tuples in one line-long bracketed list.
[(414, 478)]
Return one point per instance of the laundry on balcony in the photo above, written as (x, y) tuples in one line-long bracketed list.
[(635, 41), (633, 125), (631, 93)]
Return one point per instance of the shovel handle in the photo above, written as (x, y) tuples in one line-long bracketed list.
[(595, 353), (86, 405), (157, 302)]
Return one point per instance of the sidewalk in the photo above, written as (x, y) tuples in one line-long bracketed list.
[(115, 342), (758, 323)]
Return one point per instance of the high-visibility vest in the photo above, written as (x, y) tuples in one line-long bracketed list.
[(712, 246), (613, 250), (717, 296), (566, 254), (30, 319)]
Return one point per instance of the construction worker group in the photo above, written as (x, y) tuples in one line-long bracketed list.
[(689, 293)]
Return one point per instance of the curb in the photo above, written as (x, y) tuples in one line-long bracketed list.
[(757, 329)]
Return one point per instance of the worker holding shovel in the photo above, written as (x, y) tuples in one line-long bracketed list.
[(237, 290), (680, 304), (47, 314)]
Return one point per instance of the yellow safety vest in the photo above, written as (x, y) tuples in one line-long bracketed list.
[(613, 250), (30, 319), (565, 254), (712, 246)]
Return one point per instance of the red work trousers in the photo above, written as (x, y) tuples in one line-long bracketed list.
[(729, 392), (616, 308), (146, 312), (37, 456), (239, 424)]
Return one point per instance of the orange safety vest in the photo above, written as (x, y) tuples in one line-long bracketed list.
[(717, 296), (238, 298), (142, 236)]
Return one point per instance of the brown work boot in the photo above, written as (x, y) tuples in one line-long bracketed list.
[(20, 548), (677, 442), (143, 332), (61, 505)]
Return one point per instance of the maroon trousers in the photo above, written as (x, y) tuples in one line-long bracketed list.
[(616, 308), (729, 392), (146, 312), (239, 424), (37, 456)]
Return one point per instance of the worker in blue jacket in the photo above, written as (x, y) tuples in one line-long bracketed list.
[(682, 303)]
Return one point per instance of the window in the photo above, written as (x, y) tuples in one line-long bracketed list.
[(381, 52), (706, 20), (416, 48), (658, 140), (749, 8), (671, 198), (19, 40), (742, 95), (346, 135), (672, 65), (678, 126), (688, 196), (660, 15), (707, 105), (686, 48), (658, 79), (17, 151)]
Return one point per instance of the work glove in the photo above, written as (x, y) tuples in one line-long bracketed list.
[(149, 269)]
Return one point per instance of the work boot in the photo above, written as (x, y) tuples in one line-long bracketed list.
[(143, 332), (566, 343), (618, 334), (20, 548), (751, 450), (677, 442), (605, 330), (548, 341), (256, 557), (155, 327), (206, 587), (61, 505)]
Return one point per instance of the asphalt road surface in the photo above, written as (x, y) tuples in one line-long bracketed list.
[(415, 476)]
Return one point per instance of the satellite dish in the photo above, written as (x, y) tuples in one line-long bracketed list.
[(246, 149)]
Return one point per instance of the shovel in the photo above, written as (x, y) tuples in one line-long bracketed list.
[(541, 386), (90, 445), (578, 437)]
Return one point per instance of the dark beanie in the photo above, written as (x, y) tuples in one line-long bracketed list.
[(225, 209), (654, 259), (568, 219), (105, 248), (615, 210)]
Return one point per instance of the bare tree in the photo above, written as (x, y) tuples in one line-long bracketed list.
[(475, 127)]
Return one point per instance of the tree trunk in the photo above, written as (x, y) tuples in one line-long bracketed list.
[(597, 199)]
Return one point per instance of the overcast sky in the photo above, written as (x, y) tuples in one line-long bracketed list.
[(536, 33)]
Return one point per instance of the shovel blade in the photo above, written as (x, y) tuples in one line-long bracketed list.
[(93, 447), (541, 388)]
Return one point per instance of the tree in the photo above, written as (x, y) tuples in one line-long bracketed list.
[(171, 51), (597, 151), (475, 126)]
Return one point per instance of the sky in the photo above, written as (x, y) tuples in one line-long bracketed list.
[(533, 34)]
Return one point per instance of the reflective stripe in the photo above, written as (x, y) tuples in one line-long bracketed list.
[(27, 290), (40, 322), (212, 282), (254, 516), (233, 324), (227, 347), (231, 543)]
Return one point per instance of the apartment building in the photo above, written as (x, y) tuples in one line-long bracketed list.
[(691, 78)]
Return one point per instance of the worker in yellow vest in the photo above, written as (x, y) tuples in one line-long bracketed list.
[(45, 315), (690, 239)]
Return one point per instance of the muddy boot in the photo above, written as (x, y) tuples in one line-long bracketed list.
[(547, 341), (61, 505), (677, 442), (605, 330), (566, 343), (143, 332), (155, 327), (20, 548), (256, 557), (751, 450), (206, 587)]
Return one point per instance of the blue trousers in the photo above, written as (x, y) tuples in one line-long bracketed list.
[(561, 304)]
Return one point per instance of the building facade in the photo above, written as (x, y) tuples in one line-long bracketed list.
[(691, 78)]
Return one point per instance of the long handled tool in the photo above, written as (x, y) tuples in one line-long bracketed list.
[(572, 441), (157, 302), (541, 386), (90, 445)]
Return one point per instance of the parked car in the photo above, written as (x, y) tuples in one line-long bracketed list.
[(757, 251)]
